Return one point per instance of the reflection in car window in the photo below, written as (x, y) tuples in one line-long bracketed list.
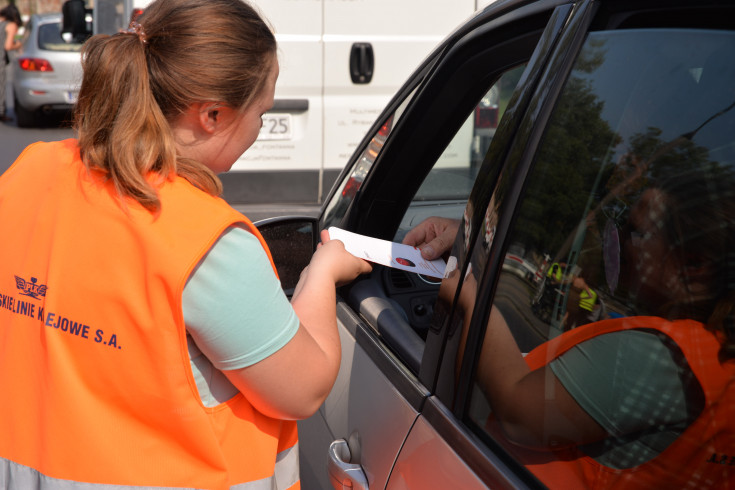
[(619, 276)]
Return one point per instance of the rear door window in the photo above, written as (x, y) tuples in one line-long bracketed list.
[(49, 38), (617, 285)]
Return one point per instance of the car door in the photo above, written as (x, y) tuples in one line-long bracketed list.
[(644, 115), (421, 158)]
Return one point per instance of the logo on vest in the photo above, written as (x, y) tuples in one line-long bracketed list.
[(30, 288)]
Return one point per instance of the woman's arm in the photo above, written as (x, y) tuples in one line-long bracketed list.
[(533, 407), (11, 29), (294, 381)]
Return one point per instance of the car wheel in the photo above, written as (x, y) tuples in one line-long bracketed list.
[(24, 117)]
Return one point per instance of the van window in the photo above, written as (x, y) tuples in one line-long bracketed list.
[(621, 256)]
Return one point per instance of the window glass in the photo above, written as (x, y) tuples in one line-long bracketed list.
[(609, 352)]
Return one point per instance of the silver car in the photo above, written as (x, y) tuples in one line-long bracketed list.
[(47, 71), (604, 107)]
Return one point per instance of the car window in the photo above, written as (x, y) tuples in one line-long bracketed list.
[(618, 268), (447, 186), (399, 305), (49, 39)]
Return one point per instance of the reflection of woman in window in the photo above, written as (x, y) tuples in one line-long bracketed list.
[(647, 399)]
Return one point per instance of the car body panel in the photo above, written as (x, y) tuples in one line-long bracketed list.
[(376, 407)]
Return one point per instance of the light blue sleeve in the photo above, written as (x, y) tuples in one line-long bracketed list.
[(633, 385), (625, 380), (233, 304)]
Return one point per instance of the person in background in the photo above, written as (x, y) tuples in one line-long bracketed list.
[(145, 340), (10, 22)]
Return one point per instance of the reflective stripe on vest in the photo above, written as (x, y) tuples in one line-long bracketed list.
[(22, 477), (94, 365), (693, 460)]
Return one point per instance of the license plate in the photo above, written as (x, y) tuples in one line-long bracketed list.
[(275, 127), (71, 97)]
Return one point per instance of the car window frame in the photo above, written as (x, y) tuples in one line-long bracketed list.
[(368, 212), (508, 190)]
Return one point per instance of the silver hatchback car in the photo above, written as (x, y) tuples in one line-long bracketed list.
[(47, 71)]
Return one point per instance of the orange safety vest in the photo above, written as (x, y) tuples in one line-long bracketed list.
[(702, 457), (94, 368)]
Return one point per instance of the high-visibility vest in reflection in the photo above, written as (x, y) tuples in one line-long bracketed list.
[(702, 457), (586, 300), (555, 273), (94, 368)]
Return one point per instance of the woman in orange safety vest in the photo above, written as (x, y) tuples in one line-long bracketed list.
[(145, 340)]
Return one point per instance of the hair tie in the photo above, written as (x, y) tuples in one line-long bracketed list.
[(137, 29)]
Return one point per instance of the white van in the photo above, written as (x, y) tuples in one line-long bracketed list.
[(340, 63)]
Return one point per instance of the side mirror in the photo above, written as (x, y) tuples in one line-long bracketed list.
[(292, 241)]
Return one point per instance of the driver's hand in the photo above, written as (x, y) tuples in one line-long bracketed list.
[(433, 236)]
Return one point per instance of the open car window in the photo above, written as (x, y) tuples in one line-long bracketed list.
[(446, 188), (347, 190), (399, 304)]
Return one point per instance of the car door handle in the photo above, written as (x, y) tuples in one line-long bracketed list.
[(343, 474)]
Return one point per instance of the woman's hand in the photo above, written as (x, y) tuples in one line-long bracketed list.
[(341, 265)]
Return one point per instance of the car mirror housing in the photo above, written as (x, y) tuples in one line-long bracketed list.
[(292, 241)]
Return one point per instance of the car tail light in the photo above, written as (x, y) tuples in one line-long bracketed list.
[(355, 181), (34, 64)]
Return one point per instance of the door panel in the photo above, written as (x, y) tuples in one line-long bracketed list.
[(440, 138), (399, 45), (424, 445), (365, 408)]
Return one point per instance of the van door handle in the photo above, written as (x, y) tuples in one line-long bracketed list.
[(343, 474), (362, 63)]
